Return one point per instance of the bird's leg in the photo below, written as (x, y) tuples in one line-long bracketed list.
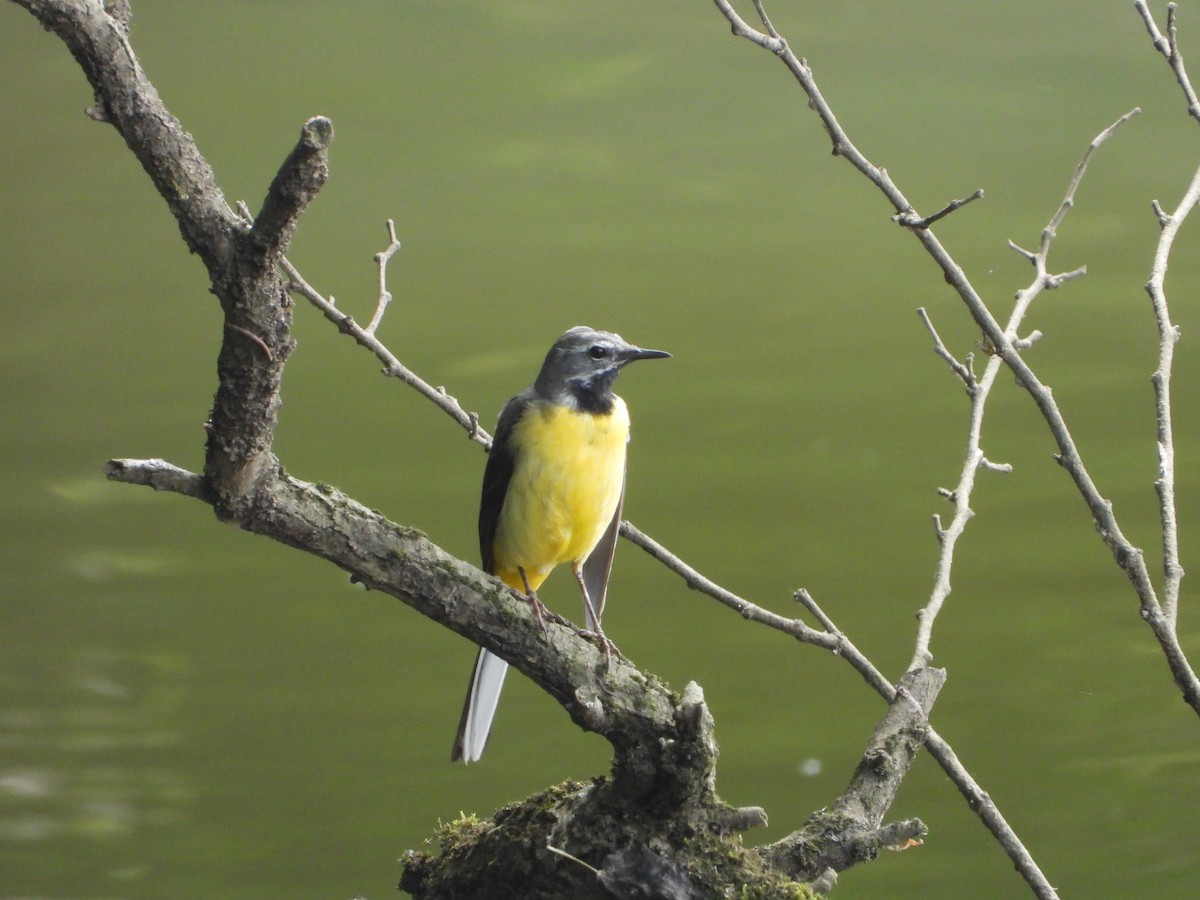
[(539, 608), (601, 640), (607, 647)]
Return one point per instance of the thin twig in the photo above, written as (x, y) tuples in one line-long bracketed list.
[(765, 19), (805, 599), (381, 260), (834, 640), (252, 336), (158, 474), (391, 365), (1129, 557), (1051, 228), (1168, 334), (911, 220), (979, 391), (1168, 337), (831, 638), (992, 333), (1168, 46), (959, 369), (983, 806), (575, 859), (747, 610)]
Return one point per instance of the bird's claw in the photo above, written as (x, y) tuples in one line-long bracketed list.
[(540, 611), (601, 640)]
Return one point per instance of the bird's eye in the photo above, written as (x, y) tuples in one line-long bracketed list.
[(597, 351)]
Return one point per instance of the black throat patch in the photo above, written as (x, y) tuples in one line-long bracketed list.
[(594, 395)]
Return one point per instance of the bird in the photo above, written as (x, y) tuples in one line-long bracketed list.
[(553, 489)]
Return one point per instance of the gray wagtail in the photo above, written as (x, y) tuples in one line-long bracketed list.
[(552, 493)]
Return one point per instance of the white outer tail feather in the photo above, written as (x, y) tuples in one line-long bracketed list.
[(485, 697)]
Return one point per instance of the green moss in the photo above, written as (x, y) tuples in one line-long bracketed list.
[(462, 831), (723, 860), (509, 856)]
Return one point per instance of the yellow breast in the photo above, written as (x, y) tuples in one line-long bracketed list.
[(565, 487)]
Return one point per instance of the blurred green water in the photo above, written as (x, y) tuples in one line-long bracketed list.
[(189, 711)]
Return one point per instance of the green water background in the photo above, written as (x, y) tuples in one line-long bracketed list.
[(189, 711)]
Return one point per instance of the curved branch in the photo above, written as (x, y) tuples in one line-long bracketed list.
[(664, 742), (381, 262), (851, 830), (978, 390), (392, 366), (1128, 557), (1168, 46), (1006, 346), (663, 771), (1162, 619)]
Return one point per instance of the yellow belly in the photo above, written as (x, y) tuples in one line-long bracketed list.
[(564, 490)]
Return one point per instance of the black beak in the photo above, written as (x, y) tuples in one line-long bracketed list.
[(633, 353)]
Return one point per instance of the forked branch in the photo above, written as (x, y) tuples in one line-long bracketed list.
[(1006, 345), (365, 337), (978, 391)]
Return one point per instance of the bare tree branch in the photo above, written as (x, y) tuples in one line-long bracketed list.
[(1168, 332), (1005, 350), (833, 639), (158, 474), (1007, 346), (1168, 46), (663, 773), (614, 701), (979, 390), (391, 364), (852, 830), (301, 176), (381, 260), (1128, 556), (911, 220), (1162, 618), (663, 742)]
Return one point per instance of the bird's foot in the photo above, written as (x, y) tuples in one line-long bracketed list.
[(600, 639), (540, 612)]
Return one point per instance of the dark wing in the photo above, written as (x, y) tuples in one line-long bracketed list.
[(497, 474), (598, 565)]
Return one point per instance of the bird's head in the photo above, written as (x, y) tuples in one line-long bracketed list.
[(582, 365)]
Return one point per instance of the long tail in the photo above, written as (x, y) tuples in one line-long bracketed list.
[(483, 696)]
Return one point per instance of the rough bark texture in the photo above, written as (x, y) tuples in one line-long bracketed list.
[(614, 851), (851, 830)]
